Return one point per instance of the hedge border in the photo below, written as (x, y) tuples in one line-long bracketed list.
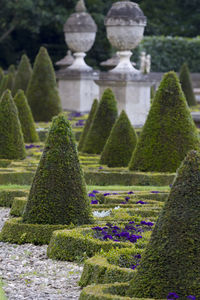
[(18, 206), (108, 292), (14, 231), (7, 196)]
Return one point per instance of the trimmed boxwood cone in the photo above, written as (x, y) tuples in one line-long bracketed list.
[(169, 131), (88, 124), (3, 85), (171, 262), (104, 119), (186, 84), (42, 92), (58, 193), (23, 75), (11, 137), (120, 144), (26, 118)]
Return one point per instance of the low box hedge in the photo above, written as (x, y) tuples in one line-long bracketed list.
[(4, 163), (18, 206), (127, 178), (115, 291), (20, 177), (7, 196), (14, 231), (72, 244)]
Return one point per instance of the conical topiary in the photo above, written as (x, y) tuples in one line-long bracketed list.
[(23, 75), (12, 69), (26, 118), (171, 262), (10, 81), (186, 84), (101, 126), (88, 124), (120, 144), (169, 131), (42, 92), (11, 137), (58, 193), (3, 84)]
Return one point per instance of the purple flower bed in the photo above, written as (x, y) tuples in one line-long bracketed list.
[(174, 296), (31, 146), (131, 232)]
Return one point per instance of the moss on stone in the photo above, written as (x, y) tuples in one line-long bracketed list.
[(169, 131), (58, 193), (23, 75), (26, 118), (42, 92), (11, 141), (171, 262), (104, 119), (119, 147), (186, 84), (88, 124)]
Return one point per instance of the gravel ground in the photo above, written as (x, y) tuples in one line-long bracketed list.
[(28, 274)]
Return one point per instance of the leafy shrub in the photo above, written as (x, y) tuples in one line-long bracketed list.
[(120, 144), (26, 118), (169, 131)]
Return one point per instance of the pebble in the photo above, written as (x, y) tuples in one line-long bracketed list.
[(27, 273)]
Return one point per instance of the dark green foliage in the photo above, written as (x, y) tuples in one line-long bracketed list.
[(42, 92), (12, 69), (120, 144), (104, 119), (3, 84), (1, 74), (26, 118), (186, 84), (58, 193), (88, 124), (169, 132), (171, 262), (23, 75), (10, 81), (11, 137)]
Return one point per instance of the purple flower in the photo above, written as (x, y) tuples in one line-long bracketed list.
[(123, 202), (106, 194), (116, 240), (155, 192), (130, 193), (133, 267), (141, 202), (172, 296), (91, 195), (191, 297), (138, 256), (146, 223), (115, 193), (170, 185), (94, 202), (107, 237), (100, 168), (97, 228), (127, 198), (131, 222), (95, 192)]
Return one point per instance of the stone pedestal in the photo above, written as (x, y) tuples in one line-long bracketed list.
[(77, 89), (132, 92)]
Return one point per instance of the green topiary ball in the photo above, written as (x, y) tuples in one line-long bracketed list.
[(88, 124), (171, 262), (23, 75), (58, 193), (11, 137), (42, 92), (119, 147), (26, 118), (186, 84), (104, 119), (169, 131)]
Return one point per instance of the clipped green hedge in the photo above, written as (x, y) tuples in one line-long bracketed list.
[(17, 232), (169, 53), (18, 206), (70, 244), (7, 196), (20, 177), (115, 291)]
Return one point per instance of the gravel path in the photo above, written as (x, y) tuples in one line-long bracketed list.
[(28, 274)]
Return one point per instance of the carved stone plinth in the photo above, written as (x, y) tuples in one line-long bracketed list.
[(77, 89), (132, 92)]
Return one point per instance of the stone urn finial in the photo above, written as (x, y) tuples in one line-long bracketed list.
[(125, 23), (80, 6), (80, 32)]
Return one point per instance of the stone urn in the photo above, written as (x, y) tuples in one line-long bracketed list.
[(80, 32), (125, 23)]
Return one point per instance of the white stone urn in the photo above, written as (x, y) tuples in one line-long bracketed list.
[(80, 32), (125, 23)]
